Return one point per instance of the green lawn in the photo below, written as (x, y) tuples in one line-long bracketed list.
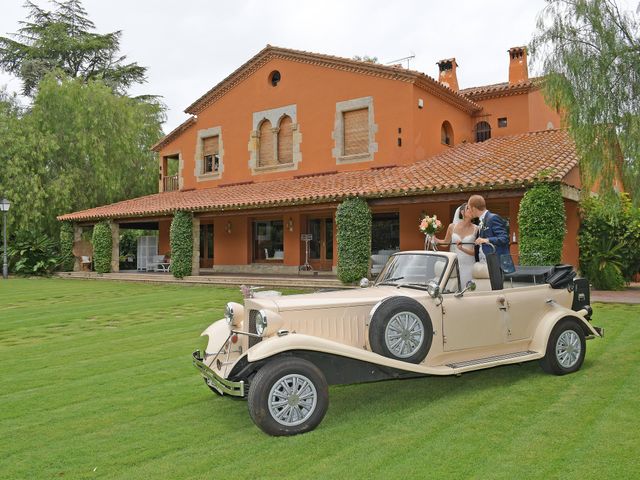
[(97, 382)]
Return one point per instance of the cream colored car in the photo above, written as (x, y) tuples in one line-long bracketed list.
[(416, 320)]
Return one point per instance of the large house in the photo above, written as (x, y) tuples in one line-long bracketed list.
[(269, 153)]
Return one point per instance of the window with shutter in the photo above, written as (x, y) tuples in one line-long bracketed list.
[(210, 154), (356, 131), (285, 141), (265, 153)]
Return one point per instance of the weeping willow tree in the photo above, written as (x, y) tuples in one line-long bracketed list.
[(589, 51)]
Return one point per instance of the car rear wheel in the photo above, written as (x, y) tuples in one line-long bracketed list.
[(401, 329), (566, 348), (288, 396)]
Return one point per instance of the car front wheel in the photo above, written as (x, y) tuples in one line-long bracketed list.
[(288, 396), (566, 348)]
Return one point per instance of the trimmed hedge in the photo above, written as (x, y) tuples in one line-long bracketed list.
[(181, 244), (353, 222), (102, 244), (542, 223), (609, 241), (66, 247)]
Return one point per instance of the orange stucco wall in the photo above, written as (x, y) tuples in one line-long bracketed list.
[(540, 114), (164, 245), (315, 91), (570, 252)]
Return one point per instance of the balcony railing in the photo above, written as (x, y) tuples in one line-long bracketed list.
[(169, 184)]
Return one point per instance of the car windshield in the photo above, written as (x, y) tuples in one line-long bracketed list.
[(413, 269)]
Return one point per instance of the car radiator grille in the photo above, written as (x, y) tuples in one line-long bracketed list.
[(252, 328)]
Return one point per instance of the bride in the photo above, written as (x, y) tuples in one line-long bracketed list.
[(461, 231)]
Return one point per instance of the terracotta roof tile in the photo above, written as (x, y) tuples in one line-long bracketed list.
[(505, 162), (499, 89)]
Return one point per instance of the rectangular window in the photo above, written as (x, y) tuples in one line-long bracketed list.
[(385, 229), (356, 131), (502, 122), (268, 244), (210, 154)]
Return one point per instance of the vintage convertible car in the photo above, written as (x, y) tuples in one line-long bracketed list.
[(416, 320)]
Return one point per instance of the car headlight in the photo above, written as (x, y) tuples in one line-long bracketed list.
[(228, 313), (261, 322)]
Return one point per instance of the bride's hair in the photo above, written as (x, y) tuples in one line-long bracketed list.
[(461, 211)]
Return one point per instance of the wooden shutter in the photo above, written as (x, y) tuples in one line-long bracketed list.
[(285, 141), (265, 154), (210, 146), (356, 131)]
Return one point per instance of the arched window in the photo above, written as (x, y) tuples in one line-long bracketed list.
[(285, 140), (265, 153), (483, 131), (446, 133)]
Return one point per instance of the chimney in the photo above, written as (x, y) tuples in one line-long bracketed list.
[(448, 73), (518, 70)]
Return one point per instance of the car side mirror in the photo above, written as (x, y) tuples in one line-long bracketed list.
[(433, 289), (364, 282), (471, 286)]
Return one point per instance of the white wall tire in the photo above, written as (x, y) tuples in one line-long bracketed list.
[(566, 348), (288, 396)]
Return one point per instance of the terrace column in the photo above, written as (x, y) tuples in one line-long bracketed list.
[(195, 259), (115, 246), (77, 237)]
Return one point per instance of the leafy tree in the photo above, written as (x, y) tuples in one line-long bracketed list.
[(63, 39), (78, 146), (590, 54)]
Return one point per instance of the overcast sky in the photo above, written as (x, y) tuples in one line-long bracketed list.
[(189, 46)]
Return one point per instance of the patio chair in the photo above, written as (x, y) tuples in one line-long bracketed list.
[(85, 263), (156, 263)]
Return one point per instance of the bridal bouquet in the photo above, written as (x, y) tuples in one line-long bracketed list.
[(430, 225)]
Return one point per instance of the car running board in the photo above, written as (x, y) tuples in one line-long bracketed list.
[(495, 358)]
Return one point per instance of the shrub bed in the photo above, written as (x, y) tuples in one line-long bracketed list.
[(66, 247), (102, 244), (542, 224), (353, 222), (181, 244), (609, 241)]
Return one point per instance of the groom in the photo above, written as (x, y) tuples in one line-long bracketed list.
[(492, 229)]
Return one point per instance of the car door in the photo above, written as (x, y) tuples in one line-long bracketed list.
[(473, 320)]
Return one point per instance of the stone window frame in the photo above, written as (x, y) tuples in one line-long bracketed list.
[(199, 161), (275, 116), (338, 131)]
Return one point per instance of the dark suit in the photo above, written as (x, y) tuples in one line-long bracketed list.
[(494, 229)]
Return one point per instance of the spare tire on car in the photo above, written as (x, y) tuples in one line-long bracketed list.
[(401, 329)]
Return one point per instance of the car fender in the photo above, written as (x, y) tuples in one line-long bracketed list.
[(295, 341), (218, 333), (551, 318)]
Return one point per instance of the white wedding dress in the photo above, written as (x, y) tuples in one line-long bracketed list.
[(465, 261)]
